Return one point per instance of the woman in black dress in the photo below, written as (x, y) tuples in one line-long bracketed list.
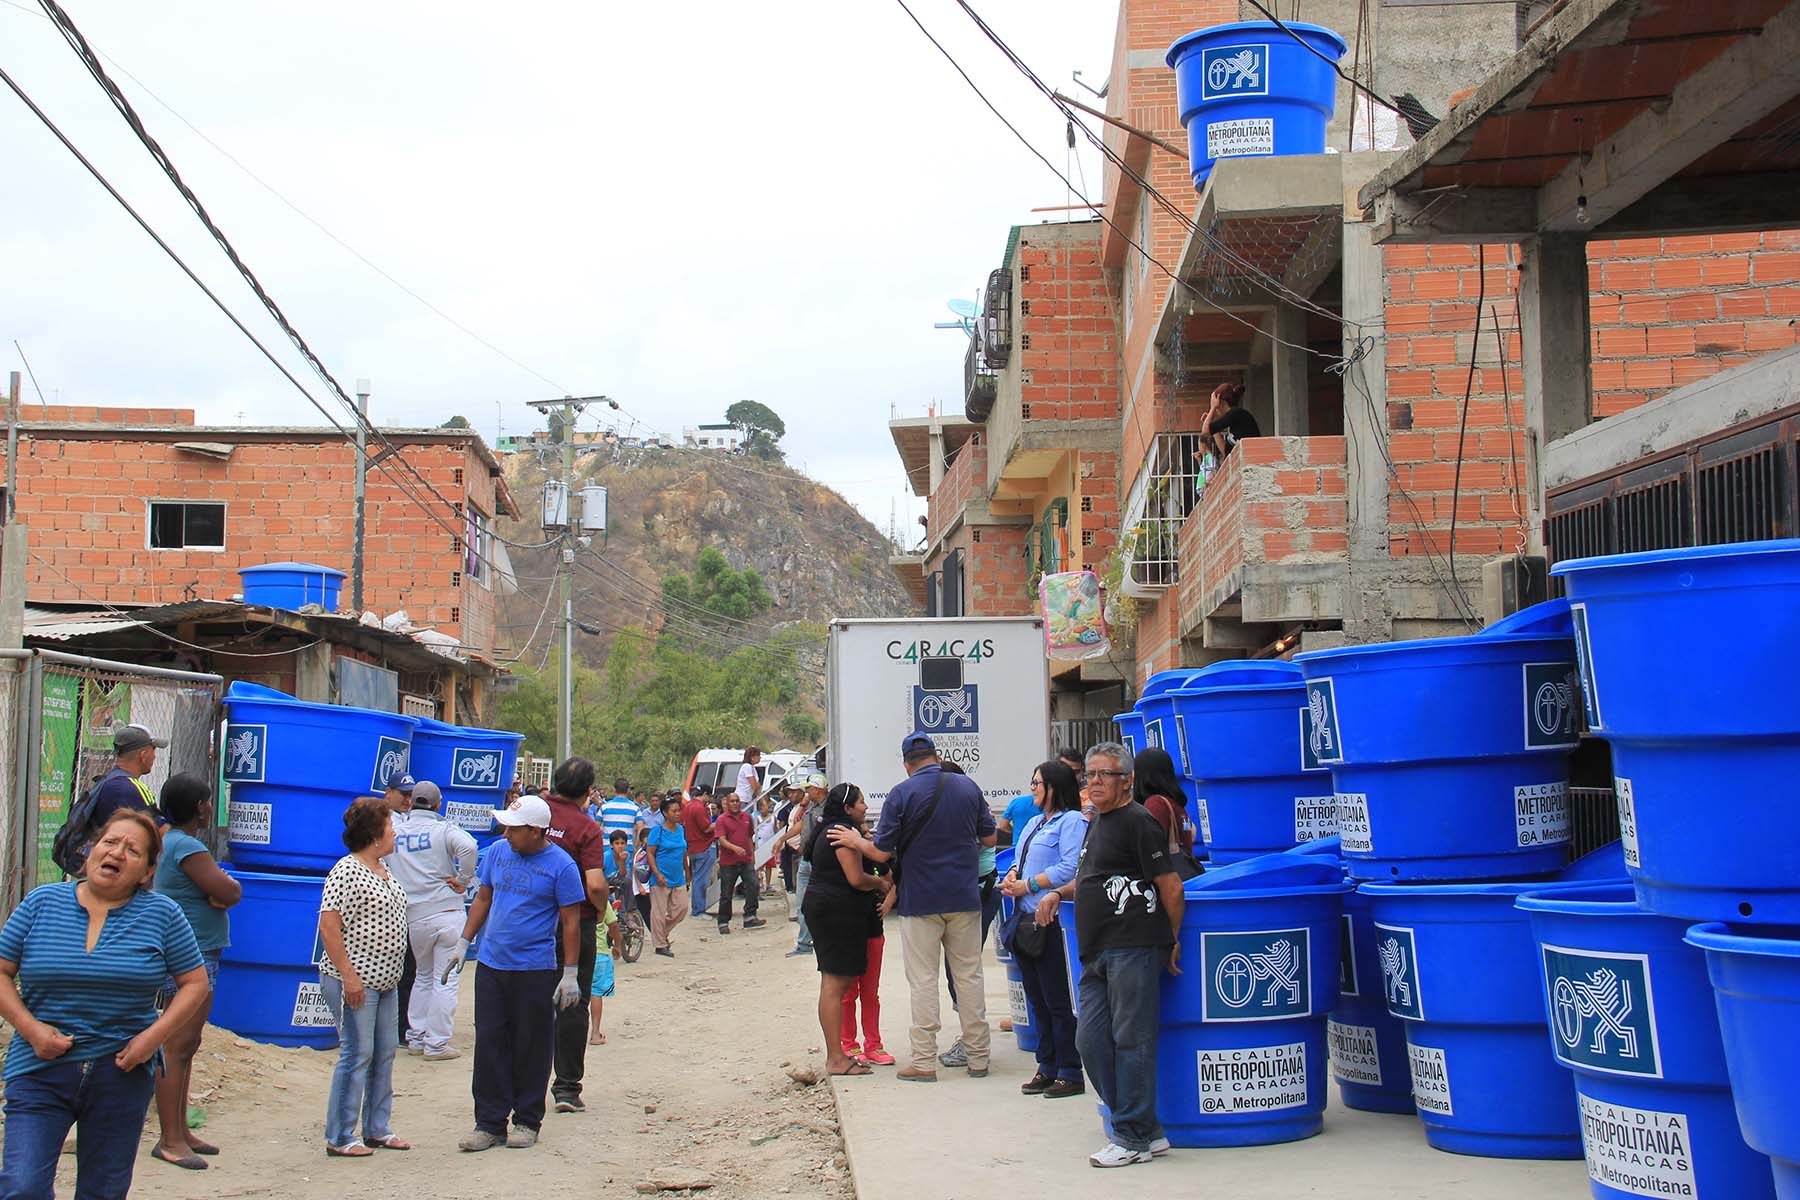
[(840, 902)]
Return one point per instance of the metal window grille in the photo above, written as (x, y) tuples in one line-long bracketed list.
[(1593, 819), (1078, 733), (1737, 497), (418, 706), (1165, 493)]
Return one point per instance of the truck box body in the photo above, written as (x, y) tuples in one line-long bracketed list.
[(979, 686)]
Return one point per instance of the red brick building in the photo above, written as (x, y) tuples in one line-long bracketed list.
[(136, 508), (1026, 481)]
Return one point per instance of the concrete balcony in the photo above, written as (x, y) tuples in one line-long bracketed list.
[(1268, 542)]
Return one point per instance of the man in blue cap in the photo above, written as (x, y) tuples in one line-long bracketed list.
[(932, 827)]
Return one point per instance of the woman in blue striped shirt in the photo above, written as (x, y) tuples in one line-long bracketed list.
[(80, 968)]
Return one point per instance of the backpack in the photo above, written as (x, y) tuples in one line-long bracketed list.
[(69, 849)]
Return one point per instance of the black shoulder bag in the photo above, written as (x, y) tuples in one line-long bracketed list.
[(911, 829), (1023, 935)]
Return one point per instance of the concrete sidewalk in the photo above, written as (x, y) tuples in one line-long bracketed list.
[(979, 1139)]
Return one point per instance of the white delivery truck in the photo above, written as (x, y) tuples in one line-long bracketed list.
[(979, 686)]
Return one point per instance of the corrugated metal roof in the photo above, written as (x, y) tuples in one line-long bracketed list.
[(60, 626)]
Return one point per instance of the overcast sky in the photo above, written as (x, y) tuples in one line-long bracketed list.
[(676, 205)]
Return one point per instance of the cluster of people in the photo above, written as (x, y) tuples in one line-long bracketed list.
[(1107, 830)]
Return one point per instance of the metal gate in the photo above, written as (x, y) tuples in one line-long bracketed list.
[(63, 709)]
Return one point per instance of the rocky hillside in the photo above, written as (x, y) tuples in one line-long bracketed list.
[(819, 557)]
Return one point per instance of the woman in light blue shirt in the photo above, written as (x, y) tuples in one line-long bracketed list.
[(667, 845), (1049, 849)]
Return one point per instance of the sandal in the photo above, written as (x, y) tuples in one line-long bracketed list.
[(390, 1142), (353, 1149), (857, 1067), (187, 1162)]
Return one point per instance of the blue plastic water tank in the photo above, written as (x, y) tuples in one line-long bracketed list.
[(1249, 88), (294, 767), (1458, 965), (1756, 984), (292, 585), (1024, 1030), (1131, 729), (1723, 725), (1449, 756), (1632, 1015), (268, 987), (1163, 725), (1260, 789), (474, 767)]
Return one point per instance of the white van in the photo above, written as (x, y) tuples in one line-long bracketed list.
[(717, 768)]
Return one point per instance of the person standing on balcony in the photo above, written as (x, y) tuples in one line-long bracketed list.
[(1227, 422)]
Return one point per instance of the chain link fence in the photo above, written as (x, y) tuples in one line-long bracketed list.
[(57, 716)]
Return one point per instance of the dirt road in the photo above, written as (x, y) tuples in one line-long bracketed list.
[(703, 1039)]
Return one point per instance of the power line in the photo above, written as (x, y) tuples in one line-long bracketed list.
[(1327, 59)]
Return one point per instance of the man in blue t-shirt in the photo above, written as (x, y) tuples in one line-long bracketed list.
[(134, 754), (530, 903), (1019, 810)]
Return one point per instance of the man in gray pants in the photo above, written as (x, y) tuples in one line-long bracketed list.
[(801, 825)]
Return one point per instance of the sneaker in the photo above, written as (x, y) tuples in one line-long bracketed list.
[(1064, 1087), (724, 929), (570, 1104), (665, 952), (754, 922), (876, 1056), (793, 917), (853, 1049), (1112, 1155), (797, 951), (978, 1072), (1159, 1147), (481, 1139), (444, 1055), (911, 1075), (955, 1056), (414, 1050), (1037, 1085), (523, 1137)]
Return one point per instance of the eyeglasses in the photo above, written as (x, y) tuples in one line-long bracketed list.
[(1037, 783), (1091, 776)]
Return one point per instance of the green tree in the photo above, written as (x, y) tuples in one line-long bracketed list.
[(457, 422), (801, 729), (761, 427), (715, 589)]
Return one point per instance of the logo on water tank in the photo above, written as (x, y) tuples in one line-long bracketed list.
[(475, 768), (1259, 976), (1601, 1011), (391, 759), (1399, 972), (946, 712), (1552, 690), (1228, 71), (1324, 743), (246, 753)]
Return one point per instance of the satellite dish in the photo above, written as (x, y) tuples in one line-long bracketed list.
[(966, 313), (964, 308)]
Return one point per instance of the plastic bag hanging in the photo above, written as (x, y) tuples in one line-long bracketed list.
[(1074, 616)]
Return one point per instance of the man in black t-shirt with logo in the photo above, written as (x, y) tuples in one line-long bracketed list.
[(1128, 909)]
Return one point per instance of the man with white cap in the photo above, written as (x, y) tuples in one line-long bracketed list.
[(530, 903), (434, 861), (799, 833)]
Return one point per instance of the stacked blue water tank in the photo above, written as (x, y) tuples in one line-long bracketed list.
[(1676, 1003), (293, 768), (1449, 763)]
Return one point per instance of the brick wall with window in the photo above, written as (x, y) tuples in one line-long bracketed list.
[(127, 517)]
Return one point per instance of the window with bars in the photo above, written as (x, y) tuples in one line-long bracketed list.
[(1166, 491)]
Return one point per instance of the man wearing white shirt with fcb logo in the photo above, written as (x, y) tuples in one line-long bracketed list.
[(434, 860)]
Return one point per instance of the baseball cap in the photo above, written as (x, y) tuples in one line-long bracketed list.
[(401, 782), (914, 742), (127, 738), (426, 794), (816, 780), (526, 810)]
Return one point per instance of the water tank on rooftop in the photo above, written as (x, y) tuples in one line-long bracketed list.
[(1254, 88)]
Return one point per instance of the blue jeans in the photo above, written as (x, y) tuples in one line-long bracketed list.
[(1121, 1010), (700, 880), (104, 1104), (803, 876), (363, 1082)]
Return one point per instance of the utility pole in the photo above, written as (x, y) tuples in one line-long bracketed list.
[(559, 515), (362, 485), (14, 549)]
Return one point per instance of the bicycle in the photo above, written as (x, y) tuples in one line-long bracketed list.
[(631, 925)]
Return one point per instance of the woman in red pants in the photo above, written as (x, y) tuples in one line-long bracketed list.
[(867, 989)]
